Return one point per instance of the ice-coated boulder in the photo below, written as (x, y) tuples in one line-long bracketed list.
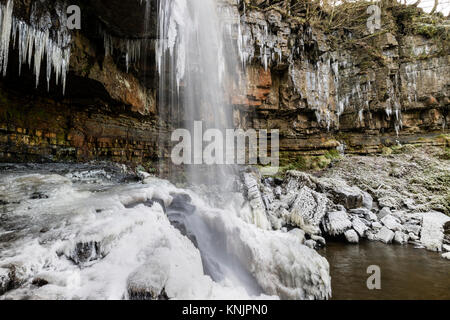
[(148, 281), (400, 237), (385, 235), (359, 226), (432, 235), (299, 233), (259, 216), (337, 222), (4, 280), (308, 210), (351, 236), (412, 228), (342, 193), (384, 212), (392, 223), (367, 201)]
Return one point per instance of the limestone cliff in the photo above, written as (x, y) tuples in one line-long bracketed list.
[(321, 78)]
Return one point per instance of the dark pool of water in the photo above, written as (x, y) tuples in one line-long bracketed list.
[(406, 273)]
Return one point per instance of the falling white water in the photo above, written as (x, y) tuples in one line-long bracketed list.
[(197, 60), (36, 41)]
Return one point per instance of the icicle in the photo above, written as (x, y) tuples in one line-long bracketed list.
[(36, 42), (5, 35)]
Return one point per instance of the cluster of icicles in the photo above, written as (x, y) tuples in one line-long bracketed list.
[(131, 47), (36, 42)]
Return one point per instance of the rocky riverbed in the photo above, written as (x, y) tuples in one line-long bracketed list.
[(400, 197), (102, 231)]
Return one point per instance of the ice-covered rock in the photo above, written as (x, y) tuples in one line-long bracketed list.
[(308, 210), (367, 201), (148, 281), (412, 228), (413, 237), (259, 216), (446, 255), (370, 236), (351, 236), (337, 222), (320, 240), (359, 226), (342, 193), (432, 235), (400, 237), (311, 244), (392, 223), (4, 280), (376, 225), (371, 216), (299, 233), (384, 212), (385, 235)]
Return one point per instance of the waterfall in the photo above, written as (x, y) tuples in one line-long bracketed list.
[(197, 60)]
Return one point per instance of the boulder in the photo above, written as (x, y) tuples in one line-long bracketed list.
[(392, 223), (337, 222), (384, 212), (299, 233), (432, 235), (341, 193), (400, 237), (367, 201), (385, 235), (351, 236), (308, 210), (377, 226), (412, 228), (148, 282), (359, 226), (446, 255)]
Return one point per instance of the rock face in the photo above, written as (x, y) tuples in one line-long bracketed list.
[(322, 86)]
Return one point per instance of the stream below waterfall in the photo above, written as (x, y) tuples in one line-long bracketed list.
[(407, 273), (72, 231)]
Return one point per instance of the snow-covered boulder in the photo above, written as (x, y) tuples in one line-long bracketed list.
[(446, 255), (342, 193), (337, 222), (392, 223), (367, 201), (359, 226), (384, 212), (400, 237), (433, 230), (351, 236), (259, 216), (308, 210), (385, 235), (148, 281)]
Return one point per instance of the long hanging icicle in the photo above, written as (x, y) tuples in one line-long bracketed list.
[(36, 41), (5, 34)]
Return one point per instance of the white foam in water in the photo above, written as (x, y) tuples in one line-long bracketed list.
[(36, 41)]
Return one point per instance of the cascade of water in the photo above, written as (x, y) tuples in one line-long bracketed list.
[(196, 59)]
